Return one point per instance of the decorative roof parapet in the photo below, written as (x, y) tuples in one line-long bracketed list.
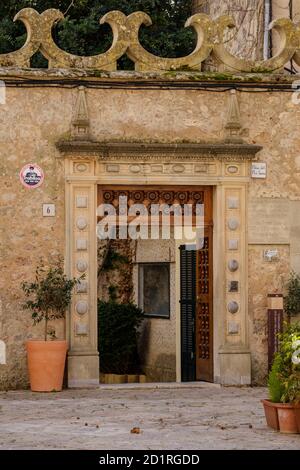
[(210, 34)]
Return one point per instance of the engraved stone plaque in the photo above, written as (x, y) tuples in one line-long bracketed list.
[(112, 168), (269, 222), (81, 202), (233, 203), (233, 328), (82, 287), (233, 286), (201, 168), (233, 244), (81, 329), (81, 244)]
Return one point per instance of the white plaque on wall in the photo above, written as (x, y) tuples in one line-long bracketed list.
[(259, 170)]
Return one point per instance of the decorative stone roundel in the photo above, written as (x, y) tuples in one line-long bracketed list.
[(81, 265), (233, 306), (81, 167), (135, 168), (81, 223), (178, 168), (232, 169), (233, 265), (233, 223), (82, 307)]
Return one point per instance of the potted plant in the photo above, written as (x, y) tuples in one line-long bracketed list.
[(282, 409), (292, 298), (48, 298), (118, 340)]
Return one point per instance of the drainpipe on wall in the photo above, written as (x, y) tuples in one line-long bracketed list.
[(267, 36), (291, 18)]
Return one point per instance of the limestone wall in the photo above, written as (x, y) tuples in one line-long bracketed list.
[(33, 119)]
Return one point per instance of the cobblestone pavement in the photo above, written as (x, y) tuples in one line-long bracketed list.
[(201, 417)]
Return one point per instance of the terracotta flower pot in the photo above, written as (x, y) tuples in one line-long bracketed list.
[(287, 418), (283, 417), (46, 364), (271, 414), (297, 413)]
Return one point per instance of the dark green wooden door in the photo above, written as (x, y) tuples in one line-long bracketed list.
[(187, 310)]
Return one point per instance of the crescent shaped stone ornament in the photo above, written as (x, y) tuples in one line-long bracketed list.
[(289, 41), (21, 57), (106, 61), (210, 41), (145, 61)]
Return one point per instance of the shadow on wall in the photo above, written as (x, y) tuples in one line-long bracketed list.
[(144, 341), (157, 367)]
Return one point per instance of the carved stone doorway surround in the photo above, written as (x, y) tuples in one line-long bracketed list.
[(226, 167)]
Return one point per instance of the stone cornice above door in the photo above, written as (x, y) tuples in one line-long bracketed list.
[(141, 151)]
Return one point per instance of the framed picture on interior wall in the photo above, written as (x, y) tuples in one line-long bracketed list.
[(154, 289)]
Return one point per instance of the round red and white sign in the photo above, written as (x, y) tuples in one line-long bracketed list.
[(31, 176)]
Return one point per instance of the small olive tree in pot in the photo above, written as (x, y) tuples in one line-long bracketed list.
[(49, 296)]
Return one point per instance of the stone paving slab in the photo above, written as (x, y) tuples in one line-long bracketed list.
[(196, 417)]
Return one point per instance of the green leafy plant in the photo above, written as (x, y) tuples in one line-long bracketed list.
[(113, 259), (49, 295), (292, 299), (276, 388), (118, 337), (284, 377)]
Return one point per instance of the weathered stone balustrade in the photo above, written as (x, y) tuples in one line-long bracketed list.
[(125, 30)]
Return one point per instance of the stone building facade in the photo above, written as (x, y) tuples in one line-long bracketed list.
[(89, 128)]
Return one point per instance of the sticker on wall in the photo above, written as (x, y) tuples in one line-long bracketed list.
[(31, 176)]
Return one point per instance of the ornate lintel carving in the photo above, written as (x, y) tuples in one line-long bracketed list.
[(137, 151)]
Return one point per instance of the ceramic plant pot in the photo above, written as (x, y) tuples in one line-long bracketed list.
[(46, 365), (287, 418), (283, 417), (271, 414)]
